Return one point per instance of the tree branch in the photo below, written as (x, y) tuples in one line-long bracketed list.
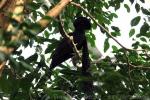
[(69, 38), (108, 33), (17, 8), (141, 67), (53, 13)]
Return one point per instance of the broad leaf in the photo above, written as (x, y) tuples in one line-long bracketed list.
[(132, 1), (127, 7), (115, 28), (132, 32), (137, 7), (106, 45), (135, 21), (114, 48), (145, 11), (145, 27), (143, 39), (143, 1)]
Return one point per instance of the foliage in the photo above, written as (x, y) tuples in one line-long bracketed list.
[(126, 78)]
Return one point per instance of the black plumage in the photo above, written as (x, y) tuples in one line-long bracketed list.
[(65, 51)]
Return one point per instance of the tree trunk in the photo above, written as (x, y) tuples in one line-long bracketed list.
[(16, 7)]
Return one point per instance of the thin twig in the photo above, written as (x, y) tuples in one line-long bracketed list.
[(140, 67), (69, 38), (129, 69), (114, 63), (108, 33), (146, 52)]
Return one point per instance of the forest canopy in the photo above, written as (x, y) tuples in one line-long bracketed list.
[(35, 24)]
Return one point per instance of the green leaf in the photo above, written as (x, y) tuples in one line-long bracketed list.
[(132, 1), (33, 6), (135, 21), (32, 58), (145, 11), (133, 56), (91, 38), (115, 28), (50, 48), (143, 1), (144, 29), (59, 94), (46, 34), (115, 34), (136, 45), (14, 63), (45, 7), (145, 46), (114, 48), (26, 66), (132, 32), (106, 45), (143, 39), (114, 15), (127, 7), (34, 17), (137, 7), (94, 25)]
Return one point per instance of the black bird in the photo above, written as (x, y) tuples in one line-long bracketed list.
[(65, 51)]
